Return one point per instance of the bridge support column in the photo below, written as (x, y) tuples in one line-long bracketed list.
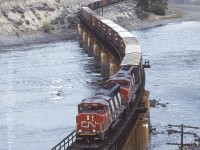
[(139, 137), (105, 63), (90, 46), (134, 139), (113, 66), (80, 29), (85, 40), (146, 116), (97, 56)]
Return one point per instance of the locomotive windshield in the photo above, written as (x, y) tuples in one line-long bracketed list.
[(85, 108)]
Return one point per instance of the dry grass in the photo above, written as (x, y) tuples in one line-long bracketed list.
[(171, 16)]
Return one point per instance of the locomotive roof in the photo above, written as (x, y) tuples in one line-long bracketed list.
[(102, 99), (117, 77)]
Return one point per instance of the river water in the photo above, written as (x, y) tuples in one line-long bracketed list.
[(33, 115), (174, 78)]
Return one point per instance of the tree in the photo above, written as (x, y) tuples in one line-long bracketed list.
[(155, 6), (143, 4), (162, 2)]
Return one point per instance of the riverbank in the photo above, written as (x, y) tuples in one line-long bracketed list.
[(65, 21)]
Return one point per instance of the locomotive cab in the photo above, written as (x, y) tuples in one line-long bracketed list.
[(125, 77), (125, 87), (92, 119)]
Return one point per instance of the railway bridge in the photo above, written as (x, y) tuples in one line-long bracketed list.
[(109, 50)]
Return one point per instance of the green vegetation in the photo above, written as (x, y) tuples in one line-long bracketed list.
[(46, 26), (157, 7), (141, 14)]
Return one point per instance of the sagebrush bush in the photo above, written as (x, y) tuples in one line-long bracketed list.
[(46, 26), (141, 14), (157, 8)]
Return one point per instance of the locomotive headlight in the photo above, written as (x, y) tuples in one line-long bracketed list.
[(79, 130), (94, 130), (88, 118), (92, 117)]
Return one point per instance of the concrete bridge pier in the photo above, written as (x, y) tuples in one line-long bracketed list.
[(113, 66), (90, 46), (142, 134), (80, 29), (146, 116), (85, 40), (105, 63), (139, 137), (97, 56)]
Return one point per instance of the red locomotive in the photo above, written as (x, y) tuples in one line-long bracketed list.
[(97, 114), (128, 87)]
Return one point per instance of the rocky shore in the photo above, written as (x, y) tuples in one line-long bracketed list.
[(21, 21)]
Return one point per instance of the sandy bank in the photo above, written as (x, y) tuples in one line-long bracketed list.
[(63, 15)]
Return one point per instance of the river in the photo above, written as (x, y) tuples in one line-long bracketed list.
[(32, 113), (174, 78), (41, 85)]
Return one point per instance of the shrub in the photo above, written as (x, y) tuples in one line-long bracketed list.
[(46, 26), (157, 8), (141, 14)]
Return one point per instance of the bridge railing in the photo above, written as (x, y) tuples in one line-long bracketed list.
[(66, 142)]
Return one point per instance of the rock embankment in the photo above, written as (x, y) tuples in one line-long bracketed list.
[(22, 16), (19, 16)]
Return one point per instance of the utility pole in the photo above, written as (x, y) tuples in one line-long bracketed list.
[(182, 137), (182, 132), (102, 7)]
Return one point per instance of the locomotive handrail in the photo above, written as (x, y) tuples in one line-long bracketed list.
[(66, 142), (103, 40)]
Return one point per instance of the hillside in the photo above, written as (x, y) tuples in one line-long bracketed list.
[(18, 16), (21, 21)]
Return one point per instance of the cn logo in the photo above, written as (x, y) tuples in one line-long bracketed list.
[(87, 124)]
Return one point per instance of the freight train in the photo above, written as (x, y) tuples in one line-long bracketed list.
[(98, 113)]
